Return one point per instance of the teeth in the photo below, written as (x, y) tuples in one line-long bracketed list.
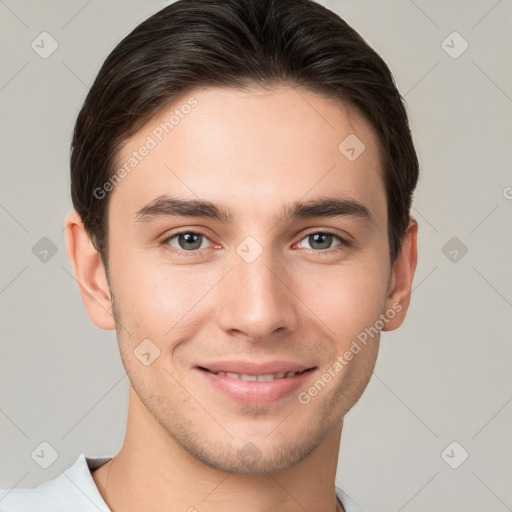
[(259, 378), (266, 378), (242, 376)]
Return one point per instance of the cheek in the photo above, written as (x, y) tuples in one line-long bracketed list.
[(156, 300), (347, 299)]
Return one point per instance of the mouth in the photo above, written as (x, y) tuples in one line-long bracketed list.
[(267, 377), (255, 385)]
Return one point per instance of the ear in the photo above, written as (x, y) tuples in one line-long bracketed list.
[(399, 293), (89, 273)]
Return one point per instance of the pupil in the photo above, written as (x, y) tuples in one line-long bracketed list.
[(323, 239), (190, 238)]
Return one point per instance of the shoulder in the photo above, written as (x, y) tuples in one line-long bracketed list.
[(73, 489)]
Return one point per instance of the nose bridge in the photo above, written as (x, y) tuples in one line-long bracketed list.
[(254, 297)]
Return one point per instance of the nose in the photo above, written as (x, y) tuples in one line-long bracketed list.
[(257, 299)]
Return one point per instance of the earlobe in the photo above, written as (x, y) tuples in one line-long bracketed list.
[(402, 276), (89, 273)]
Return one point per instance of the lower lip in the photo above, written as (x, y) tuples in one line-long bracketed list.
[(256, 393)]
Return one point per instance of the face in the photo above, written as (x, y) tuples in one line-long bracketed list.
[(250, 284)]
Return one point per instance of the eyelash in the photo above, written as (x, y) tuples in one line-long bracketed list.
[(181, 253)]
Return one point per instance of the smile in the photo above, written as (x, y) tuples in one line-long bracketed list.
[(255, 386), (257, 378)]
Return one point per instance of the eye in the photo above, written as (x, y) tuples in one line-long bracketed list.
[(187, 241), (321, 241)]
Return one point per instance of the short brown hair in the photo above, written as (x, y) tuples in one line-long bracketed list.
[(236, 43)]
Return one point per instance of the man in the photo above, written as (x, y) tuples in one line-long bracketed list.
[(242, 173)]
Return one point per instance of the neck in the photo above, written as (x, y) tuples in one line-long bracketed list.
[(152, 469)]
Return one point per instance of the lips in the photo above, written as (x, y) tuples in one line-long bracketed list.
[(255, 384)]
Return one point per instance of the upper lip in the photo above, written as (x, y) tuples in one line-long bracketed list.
[(252, 368)]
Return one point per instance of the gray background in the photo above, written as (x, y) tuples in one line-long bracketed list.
[(443, 377)]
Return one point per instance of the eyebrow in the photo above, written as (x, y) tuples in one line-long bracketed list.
[(325, 206)]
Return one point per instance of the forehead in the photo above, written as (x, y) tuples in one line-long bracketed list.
[(253, 147)]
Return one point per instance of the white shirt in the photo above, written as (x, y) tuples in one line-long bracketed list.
[(74, 490)]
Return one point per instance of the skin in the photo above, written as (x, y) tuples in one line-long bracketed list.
[(253, 151)]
